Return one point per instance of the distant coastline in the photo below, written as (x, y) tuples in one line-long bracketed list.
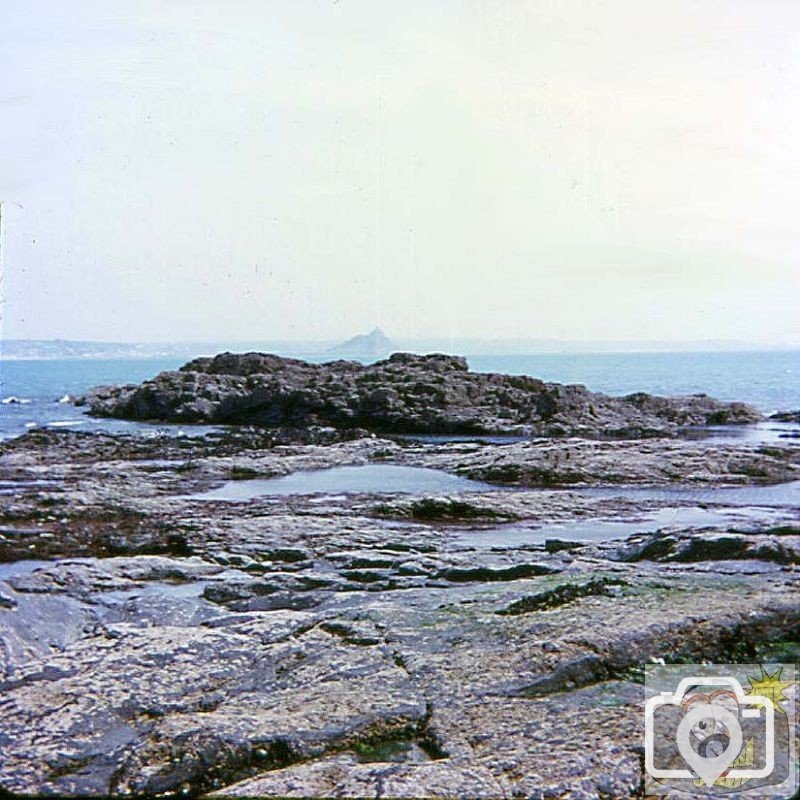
[(84, 350)]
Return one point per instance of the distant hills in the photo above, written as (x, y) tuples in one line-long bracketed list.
[(364, 347), (370, 345), (33, 349), (66, 348)]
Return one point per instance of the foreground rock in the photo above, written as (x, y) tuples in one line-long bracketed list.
[(403, 394), (359, 645), (502, 688)]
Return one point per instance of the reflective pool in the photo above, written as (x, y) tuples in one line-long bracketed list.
[(599, 529), (371, 478), (780, 495)]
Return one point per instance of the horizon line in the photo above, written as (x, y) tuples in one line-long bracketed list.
[(398, 340)]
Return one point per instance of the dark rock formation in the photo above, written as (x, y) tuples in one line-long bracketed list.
[(689, 547), (404, 394), (786, 416)]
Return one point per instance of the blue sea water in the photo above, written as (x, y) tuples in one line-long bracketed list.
[(30, 391), (768, 380)]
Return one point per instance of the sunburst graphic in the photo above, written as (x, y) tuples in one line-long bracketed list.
[(745, 759), (771, 687)]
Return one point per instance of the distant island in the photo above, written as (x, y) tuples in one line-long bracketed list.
[(374, 343)]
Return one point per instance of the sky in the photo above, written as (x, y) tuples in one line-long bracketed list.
[(300, 169)]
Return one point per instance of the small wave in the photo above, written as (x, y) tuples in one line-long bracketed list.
[(65, 399), (63, 423), (14, 400)]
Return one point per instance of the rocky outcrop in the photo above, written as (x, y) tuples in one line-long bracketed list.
[(786, 416), (406, 393)]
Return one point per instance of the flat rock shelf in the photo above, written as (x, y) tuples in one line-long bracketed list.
[(375, 616)]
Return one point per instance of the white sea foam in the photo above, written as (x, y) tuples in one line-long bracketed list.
[(14, 400), (65, 399), (63, 423)]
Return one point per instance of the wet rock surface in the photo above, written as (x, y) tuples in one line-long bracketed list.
[(786, 416), (403, 394), (354, 645)]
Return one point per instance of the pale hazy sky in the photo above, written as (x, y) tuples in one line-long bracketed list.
[(612, 169)]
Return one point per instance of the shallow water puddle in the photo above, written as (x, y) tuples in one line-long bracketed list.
[(598, 530), (12, 569), (781, 495), (157, 603), (36, 485), (770, 432), (372, 478), (759, 433), (148, 603)]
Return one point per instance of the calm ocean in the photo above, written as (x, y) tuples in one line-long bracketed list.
[(768, 380)]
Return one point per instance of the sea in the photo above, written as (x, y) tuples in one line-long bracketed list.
[(37, 393)]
